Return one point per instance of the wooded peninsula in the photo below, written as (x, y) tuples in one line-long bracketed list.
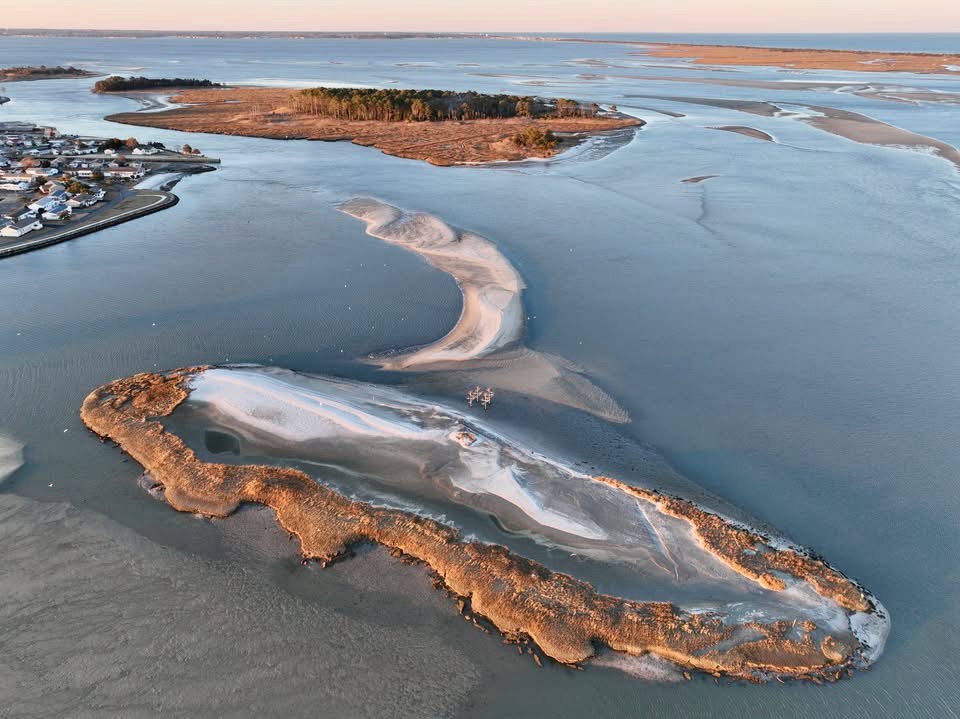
[(116, 83), (42, 72)]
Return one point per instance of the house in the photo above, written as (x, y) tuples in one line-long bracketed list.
[(44, 204), (19, 229), (145, 150), (82, 200), (19, 214), (54, 212), (15, 186), (42, 171), (50, 187), (124, 173)]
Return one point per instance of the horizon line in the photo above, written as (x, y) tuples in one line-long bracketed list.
[(572, 34)]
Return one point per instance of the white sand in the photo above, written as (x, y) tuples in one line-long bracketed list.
[(486, 341), (492, 315)]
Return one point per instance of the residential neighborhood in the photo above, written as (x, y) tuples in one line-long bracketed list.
[(51, 182)]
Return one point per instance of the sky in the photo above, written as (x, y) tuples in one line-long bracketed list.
[(635, 16)]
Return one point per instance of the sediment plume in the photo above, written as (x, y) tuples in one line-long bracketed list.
[(566, 617), (11, 457)]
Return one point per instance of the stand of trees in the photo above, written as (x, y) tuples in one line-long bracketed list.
[(533, 138), (32, 70), (349, 103), (115, 83)]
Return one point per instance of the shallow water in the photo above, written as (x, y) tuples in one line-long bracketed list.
[(784, 333)]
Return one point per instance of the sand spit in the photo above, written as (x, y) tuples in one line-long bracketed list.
[(885, 91), (567, 618), (492, 315), (866, 130), (754, 107), (268, 112), (744, 130), (842, 123), (486, 341)]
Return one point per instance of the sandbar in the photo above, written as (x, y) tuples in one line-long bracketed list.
[(486, 342)]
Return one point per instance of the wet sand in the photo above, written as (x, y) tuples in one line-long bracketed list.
[(565, 617), (860, 128), (268, 112), (747, 131), (842, 123), (486, 343), (492, 315)]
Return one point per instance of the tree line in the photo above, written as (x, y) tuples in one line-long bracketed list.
[(346, 103), (24, 70), (116, 83)]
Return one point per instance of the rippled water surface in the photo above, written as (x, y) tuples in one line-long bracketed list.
[(783, 335)]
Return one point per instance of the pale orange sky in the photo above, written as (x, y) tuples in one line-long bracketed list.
[(496, 15)]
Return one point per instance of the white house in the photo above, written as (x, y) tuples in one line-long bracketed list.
[(15, 186), (53, 213), (82, 200), (145, 150), (20, 229), (44, 204)]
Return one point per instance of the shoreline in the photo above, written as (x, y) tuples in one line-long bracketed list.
[(566, 618), (266, 113), (164, 201)]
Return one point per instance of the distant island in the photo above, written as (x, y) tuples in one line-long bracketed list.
[(42, 72), (116, 83), (439, 126), (802, 58)]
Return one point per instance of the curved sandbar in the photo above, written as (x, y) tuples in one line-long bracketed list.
[(487, 337), (565, 616), (492, 315), (746, 131)]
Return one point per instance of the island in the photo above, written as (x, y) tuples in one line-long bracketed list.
[(118, 84), (55, 187), (42, 72), (440, 127), (789, 614), (807, 59)]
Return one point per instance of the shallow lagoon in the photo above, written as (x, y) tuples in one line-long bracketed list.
[(784, 334)]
